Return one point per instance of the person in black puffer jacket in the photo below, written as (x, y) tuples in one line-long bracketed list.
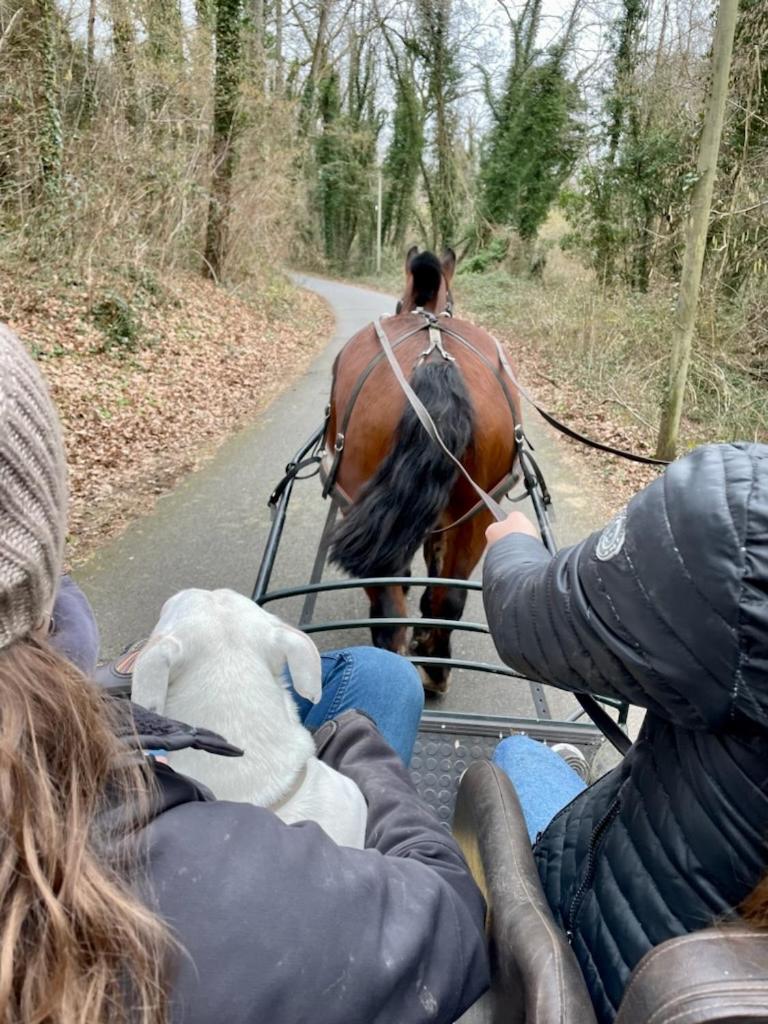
[(666, 608)]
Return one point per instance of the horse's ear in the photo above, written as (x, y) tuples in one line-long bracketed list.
[(449, 264), (413, 251)]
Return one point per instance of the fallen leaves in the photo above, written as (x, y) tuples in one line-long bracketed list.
[(136, 421)]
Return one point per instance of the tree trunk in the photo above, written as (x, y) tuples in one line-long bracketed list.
[(124, 46), (89, 79), (256, 42), (51, 139), (435, 25), (696, 229), (225, 103), (317, 68), (279, 47), (165, 38)]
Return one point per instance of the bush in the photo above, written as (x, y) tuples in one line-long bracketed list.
[(117, 320), (491, 256)]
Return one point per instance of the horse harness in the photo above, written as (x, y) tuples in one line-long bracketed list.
[(436, 327)]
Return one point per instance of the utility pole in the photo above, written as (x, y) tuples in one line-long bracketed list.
[(378, 225), (696, 230)]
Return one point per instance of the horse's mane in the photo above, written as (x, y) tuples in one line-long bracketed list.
[(427, 273)]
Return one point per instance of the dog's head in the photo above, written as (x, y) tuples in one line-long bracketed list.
[(208, 627)]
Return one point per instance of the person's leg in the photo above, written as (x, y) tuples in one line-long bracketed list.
[(384, 685), (543, 781)]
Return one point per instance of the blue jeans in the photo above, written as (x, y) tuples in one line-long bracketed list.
[(544, 783), (384, 685)]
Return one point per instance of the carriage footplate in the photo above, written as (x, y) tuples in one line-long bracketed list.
[(449, 742)]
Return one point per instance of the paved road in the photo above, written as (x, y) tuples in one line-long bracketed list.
[(210, 530)]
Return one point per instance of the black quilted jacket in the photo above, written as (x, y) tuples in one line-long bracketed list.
[(667, 608)]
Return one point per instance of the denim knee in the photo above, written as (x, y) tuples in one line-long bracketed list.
[(393, 672)]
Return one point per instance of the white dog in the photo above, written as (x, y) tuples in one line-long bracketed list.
[(216, 659)]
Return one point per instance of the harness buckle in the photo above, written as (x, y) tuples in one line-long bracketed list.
[(435, 344), (338, 444)]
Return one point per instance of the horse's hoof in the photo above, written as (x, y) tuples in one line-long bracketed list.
[(434, 687)]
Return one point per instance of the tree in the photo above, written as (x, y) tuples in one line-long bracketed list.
[(532, 147), (437, 49), (403, 159), (124, 47), (50, 132), (623, 119), (697, 228), (345, 155), (740, 235), (225, 106)]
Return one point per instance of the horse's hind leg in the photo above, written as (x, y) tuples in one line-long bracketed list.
[(388, 603), (452, 555)]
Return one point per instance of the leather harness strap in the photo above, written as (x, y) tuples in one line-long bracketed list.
[(429, 424), (338, 444), (431, 323)]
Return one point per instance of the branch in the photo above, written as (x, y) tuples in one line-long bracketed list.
[(5, 37), (735, 213), (629, 408)]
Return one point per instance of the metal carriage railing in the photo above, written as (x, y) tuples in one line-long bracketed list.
[(444, 735)]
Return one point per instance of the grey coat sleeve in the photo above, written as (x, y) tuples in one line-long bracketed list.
[(279, 924), (598, 627)]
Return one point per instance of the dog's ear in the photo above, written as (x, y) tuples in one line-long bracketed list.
[(152, 672), (303, 662)]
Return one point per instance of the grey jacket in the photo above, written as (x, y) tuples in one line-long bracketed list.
[(666, 608), (280, 926)]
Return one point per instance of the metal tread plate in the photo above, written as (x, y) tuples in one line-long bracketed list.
[(439, 760), (447, 744)]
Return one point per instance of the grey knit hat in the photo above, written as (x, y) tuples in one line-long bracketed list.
[(33, 493)]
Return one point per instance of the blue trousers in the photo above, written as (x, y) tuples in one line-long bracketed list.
[(384, 685), (544, 783)]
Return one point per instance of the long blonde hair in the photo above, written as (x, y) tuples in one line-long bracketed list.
[(77, 946), (755, 907)]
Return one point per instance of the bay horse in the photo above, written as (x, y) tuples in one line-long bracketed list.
[(400, 489)]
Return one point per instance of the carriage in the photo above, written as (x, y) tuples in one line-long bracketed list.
[(716, 975), (711, 976)]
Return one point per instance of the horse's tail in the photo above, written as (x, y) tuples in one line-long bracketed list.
[(383, 529)]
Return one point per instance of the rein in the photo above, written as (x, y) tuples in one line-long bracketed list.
[(561, 427), (533, 481)]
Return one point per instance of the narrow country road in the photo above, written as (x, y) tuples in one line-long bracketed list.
[(210, 530)]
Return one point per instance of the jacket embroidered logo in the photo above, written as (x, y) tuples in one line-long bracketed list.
[(612, 538)]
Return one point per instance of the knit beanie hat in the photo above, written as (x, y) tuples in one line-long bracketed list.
[(33, 493)]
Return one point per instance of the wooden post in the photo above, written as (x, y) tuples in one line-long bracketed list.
[(696, 230)]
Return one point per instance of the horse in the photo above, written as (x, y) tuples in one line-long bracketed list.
[(400, 489)]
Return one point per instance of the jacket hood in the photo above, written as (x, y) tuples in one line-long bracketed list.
[(676, 585)]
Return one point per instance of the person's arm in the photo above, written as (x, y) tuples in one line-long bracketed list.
[(592, 625), (281, 924)]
